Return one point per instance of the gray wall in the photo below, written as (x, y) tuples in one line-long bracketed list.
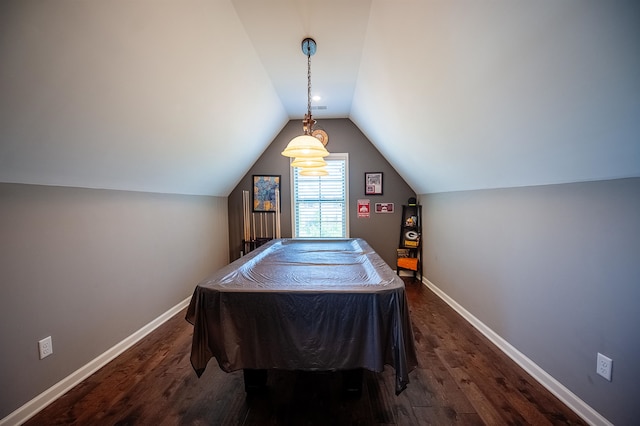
[(91, 267), (554, 270), (381, 231)]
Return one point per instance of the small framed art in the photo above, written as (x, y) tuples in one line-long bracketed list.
[(373, 183), (264, 192)]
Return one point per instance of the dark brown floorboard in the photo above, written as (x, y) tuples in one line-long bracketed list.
[(462, 379)]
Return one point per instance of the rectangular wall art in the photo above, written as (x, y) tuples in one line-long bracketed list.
[(373, 183), (264, 192)]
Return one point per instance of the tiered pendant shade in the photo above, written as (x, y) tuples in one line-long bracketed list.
[(313, 171), (305, 146), (308, 162)]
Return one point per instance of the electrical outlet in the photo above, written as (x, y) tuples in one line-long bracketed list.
[(46, 347), (604, 365)]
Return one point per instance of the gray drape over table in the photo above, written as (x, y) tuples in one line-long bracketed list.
[(294, 304)]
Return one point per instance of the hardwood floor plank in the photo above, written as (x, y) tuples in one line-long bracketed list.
[(485, 409), (379, 399), (438, 416), (462, 379), (401, 405)]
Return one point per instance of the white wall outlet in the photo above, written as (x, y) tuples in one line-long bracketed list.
[(604, 366), (46, 347)]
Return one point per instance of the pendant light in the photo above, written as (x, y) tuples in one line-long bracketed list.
[(308, 150), (314, 171), (308, 162)]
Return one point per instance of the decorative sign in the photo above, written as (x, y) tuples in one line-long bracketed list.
[(411, 239), (384, 207), (364, 208)]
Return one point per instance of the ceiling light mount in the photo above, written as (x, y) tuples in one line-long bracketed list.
[(309, 46)]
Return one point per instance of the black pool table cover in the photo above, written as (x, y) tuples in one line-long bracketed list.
[(304, 304)]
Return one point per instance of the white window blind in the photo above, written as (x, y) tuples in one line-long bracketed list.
[(320, 202)]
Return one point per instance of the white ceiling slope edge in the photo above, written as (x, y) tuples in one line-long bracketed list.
[(183, 97)]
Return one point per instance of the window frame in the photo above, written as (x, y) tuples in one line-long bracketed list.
[(331, 157)]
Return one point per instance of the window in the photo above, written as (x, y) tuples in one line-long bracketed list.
[(320, 203)]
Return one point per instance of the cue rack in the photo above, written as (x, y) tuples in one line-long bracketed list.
[(258, 227)]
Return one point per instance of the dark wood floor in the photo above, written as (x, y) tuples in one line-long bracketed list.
[(461, 379)]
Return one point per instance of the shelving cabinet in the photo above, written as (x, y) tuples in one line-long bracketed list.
[(409, 247)]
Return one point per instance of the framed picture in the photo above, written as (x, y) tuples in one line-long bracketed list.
[(373, 183), (264, 192)]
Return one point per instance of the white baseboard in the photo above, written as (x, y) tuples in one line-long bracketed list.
[(38, 403), (578, 406)]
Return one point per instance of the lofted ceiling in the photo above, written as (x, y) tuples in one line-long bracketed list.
[(184, 96)]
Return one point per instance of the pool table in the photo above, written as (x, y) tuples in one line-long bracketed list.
[(304, 304)]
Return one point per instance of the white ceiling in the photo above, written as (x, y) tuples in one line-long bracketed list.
[(183, 96)]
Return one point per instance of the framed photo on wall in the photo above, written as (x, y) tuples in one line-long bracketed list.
[(264, 192), (373, 183)]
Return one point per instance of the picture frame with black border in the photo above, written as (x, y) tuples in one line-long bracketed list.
[(373, 183), (264, 192)]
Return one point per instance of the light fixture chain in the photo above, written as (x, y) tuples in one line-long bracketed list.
[(309, 87)]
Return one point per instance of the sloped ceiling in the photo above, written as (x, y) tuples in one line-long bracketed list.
[(183, 96)]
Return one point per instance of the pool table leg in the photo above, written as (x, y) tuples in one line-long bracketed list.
[(254, 380), (352, 382)]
